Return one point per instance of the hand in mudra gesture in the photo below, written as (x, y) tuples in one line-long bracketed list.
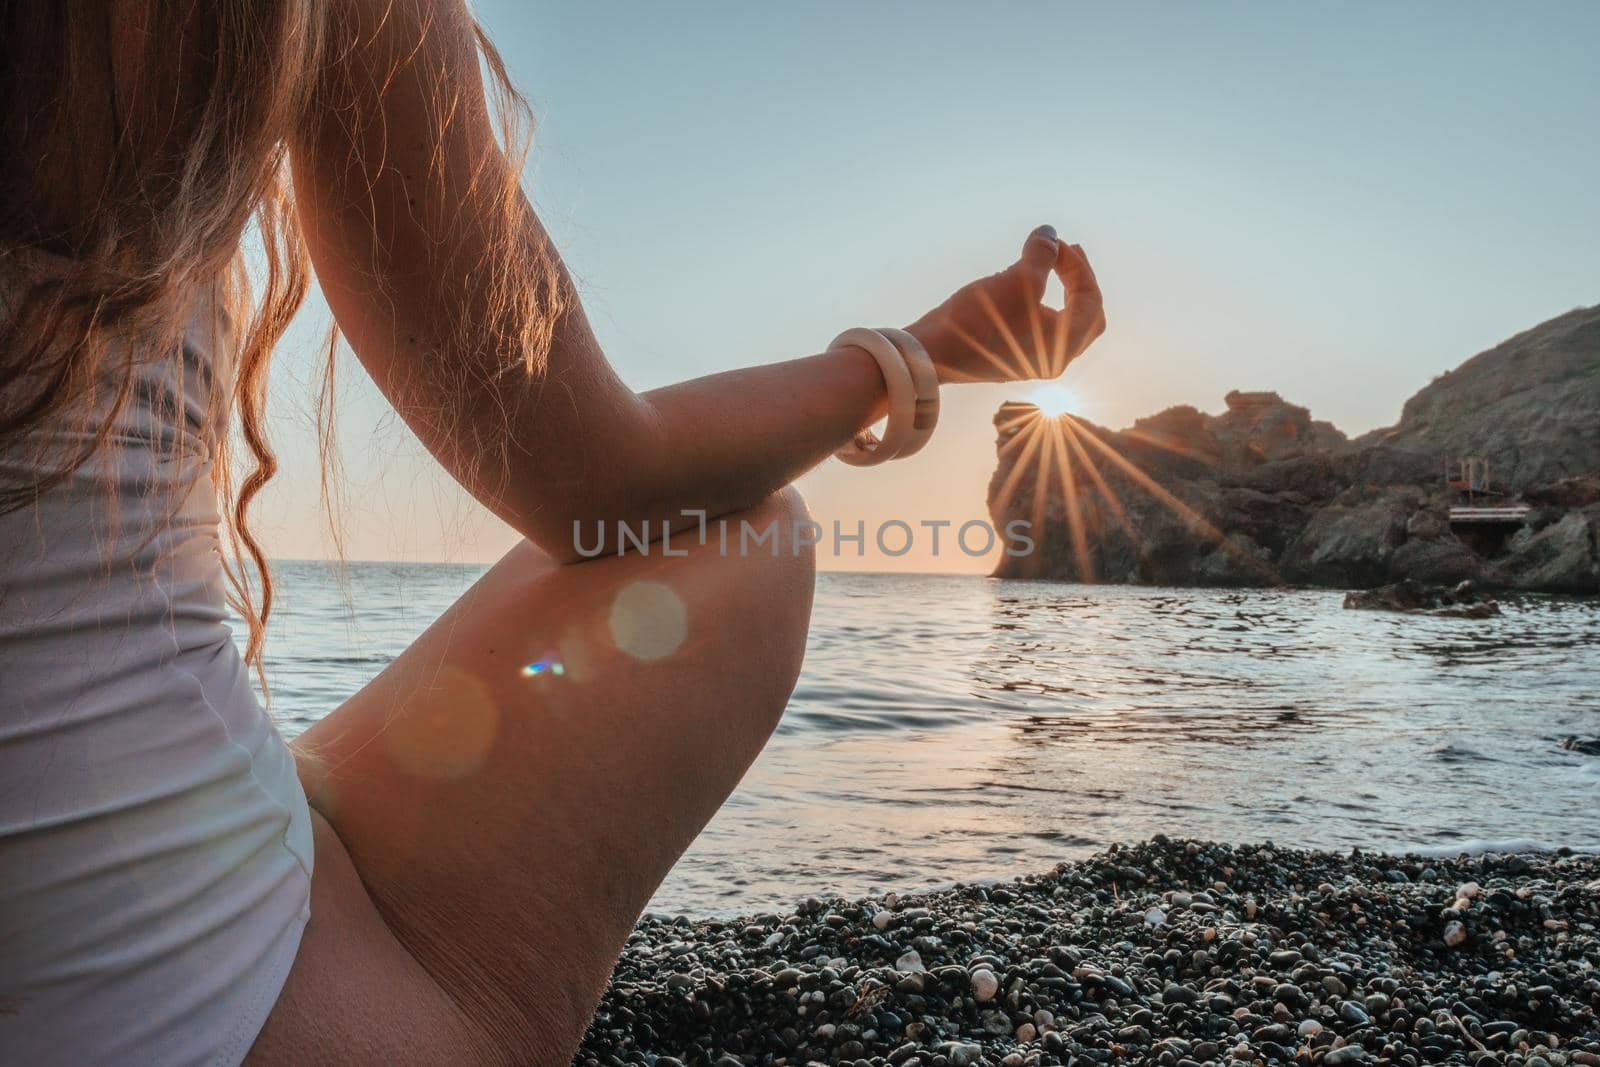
[(996, 330)]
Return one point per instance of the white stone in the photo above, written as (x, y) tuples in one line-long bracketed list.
[(1027, 1032), (882, 919), (984, 985), (1454, 933), (910, 963), (1155, 917)]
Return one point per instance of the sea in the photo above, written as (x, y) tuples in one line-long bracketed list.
[(958, 728)]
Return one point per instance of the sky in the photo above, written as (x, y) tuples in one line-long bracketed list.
[(1337, 203)]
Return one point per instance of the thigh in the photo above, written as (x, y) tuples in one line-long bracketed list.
[(356, 995), (512, 789)]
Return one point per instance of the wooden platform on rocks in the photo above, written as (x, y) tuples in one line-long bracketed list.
[(1504, 513)]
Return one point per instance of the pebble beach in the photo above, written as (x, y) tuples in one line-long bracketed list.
[(1169, 952)]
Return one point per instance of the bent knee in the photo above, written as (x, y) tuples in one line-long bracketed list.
[(780, 533), (778, 528), (765, 610)]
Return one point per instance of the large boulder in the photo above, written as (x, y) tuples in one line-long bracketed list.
[(1431, 552), (1351, 541), (1560, 558), (1236, 561), (1444, 561), (1408, 595), (1577, 492)]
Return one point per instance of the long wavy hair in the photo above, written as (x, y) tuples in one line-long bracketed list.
[(140, 143)]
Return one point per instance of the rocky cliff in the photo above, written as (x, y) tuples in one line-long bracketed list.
[(1264, 494), (1531, 405)]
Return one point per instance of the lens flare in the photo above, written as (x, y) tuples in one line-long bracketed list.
[(445, 739), (648, 620), (544, 666)]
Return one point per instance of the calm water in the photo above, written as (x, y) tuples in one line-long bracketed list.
[(949, 729)]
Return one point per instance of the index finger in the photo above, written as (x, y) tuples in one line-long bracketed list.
[(1072, 267), (1083, 317)]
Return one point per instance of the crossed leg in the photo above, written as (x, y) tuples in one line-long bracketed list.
[(487, 834)]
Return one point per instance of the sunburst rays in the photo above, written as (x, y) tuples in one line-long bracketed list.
[(1145, 437), (1069, 482), (1111, 499), (1051, 444)]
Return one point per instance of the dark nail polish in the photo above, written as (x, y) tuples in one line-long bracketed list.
[(1046, 230)]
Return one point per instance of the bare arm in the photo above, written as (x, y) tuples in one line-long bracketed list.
[(394, 177)]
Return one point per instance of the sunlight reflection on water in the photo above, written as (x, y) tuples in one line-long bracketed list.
[(954, 728)]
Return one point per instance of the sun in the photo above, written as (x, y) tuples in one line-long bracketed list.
[(1054, 399)]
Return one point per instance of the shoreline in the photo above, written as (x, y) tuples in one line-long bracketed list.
[(1169, 952)]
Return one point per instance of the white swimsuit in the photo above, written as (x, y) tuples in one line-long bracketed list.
[(155, 844)]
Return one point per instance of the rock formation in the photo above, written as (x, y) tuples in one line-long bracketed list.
[(1262, 494), (1412, 597), (1529, 404)]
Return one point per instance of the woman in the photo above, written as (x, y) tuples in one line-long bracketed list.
[(443, 869)]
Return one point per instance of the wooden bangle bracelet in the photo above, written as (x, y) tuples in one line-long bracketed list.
[(925, 381), (865, 449)]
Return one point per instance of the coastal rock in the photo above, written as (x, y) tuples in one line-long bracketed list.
[(1531, 404), (1560, 558), (1578, 492), (1410, 595), (1444, 561), (1352, 540), (1263, 494), (1268, 427), (1238, 561)]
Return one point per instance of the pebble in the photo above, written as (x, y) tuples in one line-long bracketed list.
[(1259, 956), (984, 985), (1346, 1055)]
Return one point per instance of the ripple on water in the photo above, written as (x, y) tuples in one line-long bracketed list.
[(951, 729)]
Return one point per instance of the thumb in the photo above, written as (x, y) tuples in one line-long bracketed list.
[(1039, 253)]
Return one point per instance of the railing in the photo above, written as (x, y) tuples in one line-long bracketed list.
[(1503, 513)]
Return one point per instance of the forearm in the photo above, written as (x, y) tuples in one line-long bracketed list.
[(711, 445)]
